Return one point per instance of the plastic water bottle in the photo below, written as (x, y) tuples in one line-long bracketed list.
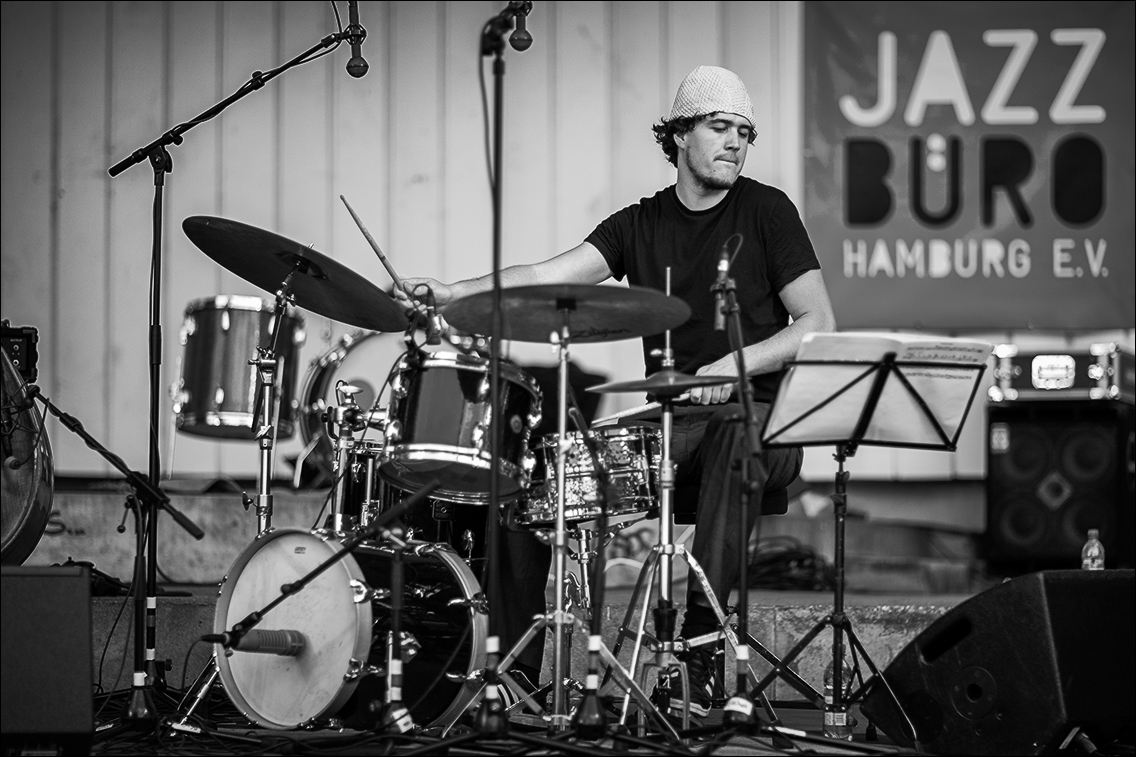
[(1092, 554), (837, 721)]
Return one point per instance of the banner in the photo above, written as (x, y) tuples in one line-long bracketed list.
[(970, 164)]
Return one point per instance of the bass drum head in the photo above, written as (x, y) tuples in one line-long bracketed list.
[(360, 358), (287, 692), (344, 616), (29, 488)]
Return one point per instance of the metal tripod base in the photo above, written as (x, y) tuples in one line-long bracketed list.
[(665, 650), (622, 678)]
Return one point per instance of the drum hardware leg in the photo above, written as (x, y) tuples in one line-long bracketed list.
[(395, 717), (200, 688), (305, 453), (264, 419), (341, 421)]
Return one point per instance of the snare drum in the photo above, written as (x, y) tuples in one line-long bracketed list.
[(344, 617), (360, 358), (216, 393), (438, 427), (629, 454)]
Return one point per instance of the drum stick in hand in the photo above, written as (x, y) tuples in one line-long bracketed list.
[(373, 243)]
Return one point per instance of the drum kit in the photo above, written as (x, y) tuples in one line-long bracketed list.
[(384, 426)]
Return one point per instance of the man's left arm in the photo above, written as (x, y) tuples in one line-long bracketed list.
[(806, 299)]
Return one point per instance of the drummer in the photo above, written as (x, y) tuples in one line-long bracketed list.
[(781, 296)]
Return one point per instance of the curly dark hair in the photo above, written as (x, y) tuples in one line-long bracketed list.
[(666, 131)]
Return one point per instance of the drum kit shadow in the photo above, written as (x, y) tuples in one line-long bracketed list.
[(384, 599)]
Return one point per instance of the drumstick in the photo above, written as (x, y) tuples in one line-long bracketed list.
[(373, 243), (640, 410)]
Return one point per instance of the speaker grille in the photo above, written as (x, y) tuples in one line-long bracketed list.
[(1055, 470)]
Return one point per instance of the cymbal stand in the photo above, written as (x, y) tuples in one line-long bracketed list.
[(266, 415)]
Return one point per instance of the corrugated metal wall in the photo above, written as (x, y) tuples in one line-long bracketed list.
[(85, 83)]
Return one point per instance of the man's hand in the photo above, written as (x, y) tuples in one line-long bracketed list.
[(412, 296), (716, 395)]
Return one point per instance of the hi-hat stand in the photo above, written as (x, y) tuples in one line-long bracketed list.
[(927, 383)]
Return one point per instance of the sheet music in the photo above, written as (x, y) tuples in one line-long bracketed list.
[(821, 403)]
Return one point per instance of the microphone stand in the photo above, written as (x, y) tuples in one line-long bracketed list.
[(141, 709), (147, 674)]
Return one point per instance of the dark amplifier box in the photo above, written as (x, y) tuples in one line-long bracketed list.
[(1102, 372)]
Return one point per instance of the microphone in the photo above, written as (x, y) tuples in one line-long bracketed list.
[(520, 39), (355, 34), (720, 287), (433, 320), (286, 643)]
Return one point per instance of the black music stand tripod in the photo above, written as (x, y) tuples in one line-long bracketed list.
[(859, 402)]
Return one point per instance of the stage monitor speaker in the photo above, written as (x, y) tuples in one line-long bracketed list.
[(1055, 470), (1016, 668), (47, 700)]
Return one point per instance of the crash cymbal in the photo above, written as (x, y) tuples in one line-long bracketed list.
[(595, 313), (663, 383), (318, 284)]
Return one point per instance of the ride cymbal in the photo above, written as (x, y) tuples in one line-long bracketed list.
[(593, 313), (318, 283)]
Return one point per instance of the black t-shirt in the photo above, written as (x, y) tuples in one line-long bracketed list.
[(641, 240)]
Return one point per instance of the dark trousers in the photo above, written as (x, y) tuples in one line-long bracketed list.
[(706, 441), (523, 563)]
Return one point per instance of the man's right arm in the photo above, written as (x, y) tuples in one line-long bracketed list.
[(581, 265)]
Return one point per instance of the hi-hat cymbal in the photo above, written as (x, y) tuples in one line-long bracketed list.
[(594, 313), (667, 382), (318, 284)]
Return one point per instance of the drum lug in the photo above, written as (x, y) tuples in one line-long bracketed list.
[(398, 389), (477, 435), (393, 431), (410, 646), (357, 668), (362, 593), (477, 602), (467, 678)]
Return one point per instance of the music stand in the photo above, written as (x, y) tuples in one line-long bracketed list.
[(853, 389)]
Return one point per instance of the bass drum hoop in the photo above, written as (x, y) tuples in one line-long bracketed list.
[(250, 677)]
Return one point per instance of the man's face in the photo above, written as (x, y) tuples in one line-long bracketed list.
[(714, 151)]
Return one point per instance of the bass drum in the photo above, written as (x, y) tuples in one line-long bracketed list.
[(360, 358), (344, 617), (29, 487)]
